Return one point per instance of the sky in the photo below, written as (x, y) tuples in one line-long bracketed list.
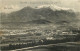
[(14, 5)]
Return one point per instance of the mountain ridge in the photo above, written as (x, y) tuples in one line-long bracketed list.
[(29, 14)]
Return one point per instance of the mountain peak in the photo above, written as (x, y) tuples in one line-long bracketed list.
[(41, 12)]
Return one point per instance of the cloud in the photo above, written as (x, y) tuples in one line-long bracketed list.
[(9, 8), (70, 4)]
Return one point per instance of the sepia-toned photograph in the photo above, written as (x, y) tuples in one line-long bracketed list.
[(39, 25)]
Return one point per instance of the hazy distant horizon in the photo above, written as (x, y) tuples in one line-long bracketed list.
[(14, 5)]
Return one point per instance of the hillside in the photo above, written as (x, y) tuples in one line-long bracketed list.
[(42, 15)]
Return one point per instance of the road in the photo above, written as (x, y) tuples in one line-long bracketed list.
[(69, 46)]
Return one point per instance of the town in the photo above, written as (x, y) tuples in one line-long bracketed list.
[(38, 35)]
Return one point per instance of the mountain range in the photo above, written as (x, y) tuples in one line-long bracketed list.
[(41, 15)]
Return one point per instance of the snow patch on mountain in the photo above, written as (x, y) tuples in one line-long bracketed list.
[(53, 7)]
